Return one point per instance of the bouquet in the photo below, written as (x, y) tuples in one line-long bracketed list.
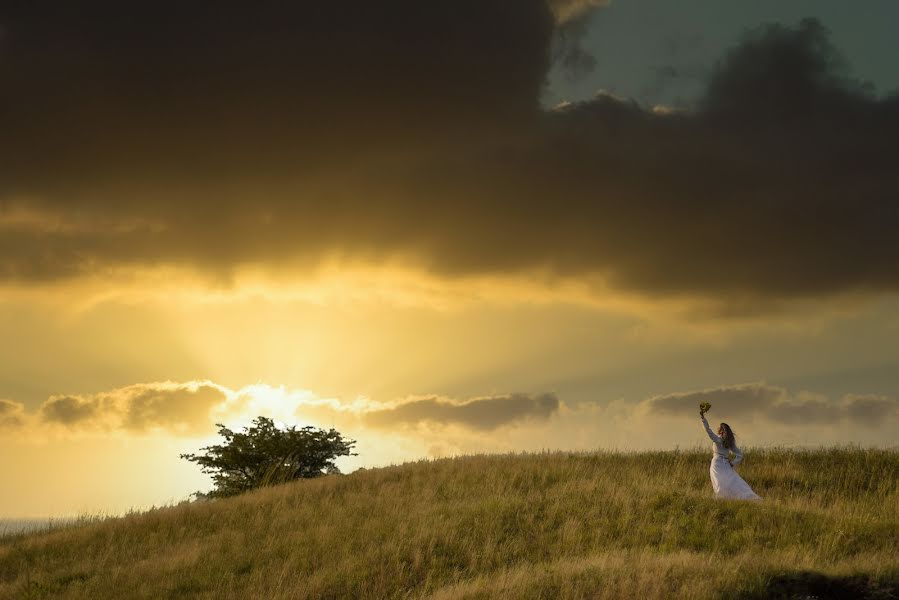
[(704, 407)]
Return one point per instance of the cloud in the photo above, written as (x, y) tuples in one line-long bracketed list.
[(288, 133), (68, 410), (869, 409), (173, 408), (437, 425), (184, 408), (573, 25), (194, 407), (567, 10), (480, 413), (568, 50), (733, 400), (776, 404), (12, 414)]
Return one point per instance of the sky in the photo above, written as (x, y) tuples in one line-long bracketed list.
[(442, 228)]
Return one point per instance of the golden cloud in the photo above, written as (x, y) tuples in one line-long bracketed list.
[(776, 404)]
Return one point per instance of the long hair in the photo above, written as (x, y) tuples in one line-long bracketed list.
[(728, 439)]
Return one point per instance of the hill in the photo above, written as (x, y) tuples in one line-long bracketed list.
[(547, 525)]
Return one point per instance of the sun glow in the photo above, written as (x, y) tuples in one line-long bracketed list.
[(260, 399)]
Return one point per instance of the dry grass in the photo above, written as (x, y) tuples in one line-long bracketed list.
[(552, 525)]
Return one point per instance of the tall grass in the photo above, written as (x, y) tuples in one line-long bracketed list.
[(546, 525)]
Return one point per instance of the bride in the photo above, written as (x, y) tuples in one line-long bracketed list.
[(725, 480)]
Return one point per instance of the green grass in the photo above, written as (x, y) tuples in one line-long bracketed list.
[(551, 525)]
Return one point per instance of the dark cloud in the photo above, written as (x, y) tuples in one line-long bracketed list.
[(772, 403), (178, 408), (481, 413), (218, 134), (68, 410), (192, 408), (12, 414), (870, 409), (163, 90), (737, 400)]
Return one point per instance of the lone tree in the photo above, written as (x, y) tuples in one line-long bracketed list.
[(264, 455)]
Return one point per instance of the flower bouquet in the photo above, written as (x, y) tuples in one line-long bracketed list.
[(704, 407)]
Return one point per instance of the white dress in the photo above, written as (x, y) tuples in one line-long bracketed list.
[(726, 482)]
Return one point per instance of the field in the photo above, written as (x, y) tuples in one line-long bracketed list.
[(545, 525)]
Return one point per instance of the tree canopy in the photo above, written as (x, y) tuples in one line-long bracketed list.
[(264, 454)]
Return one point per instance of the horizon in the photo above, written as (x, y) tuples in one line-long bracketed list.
[(443, 229)]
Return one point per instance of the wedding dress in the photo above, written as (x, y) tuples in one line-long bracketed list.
[(726, 482)]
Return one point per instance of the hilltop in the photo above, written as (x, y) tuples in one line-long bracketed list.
[(546, 525)]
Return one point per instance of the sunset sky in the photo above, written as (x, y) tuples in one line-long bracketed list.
[(441, 227)]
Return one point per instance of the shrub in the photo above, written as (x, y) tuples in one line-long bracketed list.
[(264, 455)]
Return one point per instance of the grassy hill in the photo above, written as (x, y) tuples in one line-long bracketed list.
[(546, 525)]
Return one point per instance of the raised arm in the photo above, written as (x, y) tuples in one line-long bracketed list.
[(709, 431), (738, 456)]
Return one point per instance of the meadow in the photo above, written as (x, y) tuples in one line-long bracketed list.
[(538, 525)]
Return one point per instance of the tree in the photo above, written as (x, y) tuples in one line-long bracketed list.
[(264, 455)]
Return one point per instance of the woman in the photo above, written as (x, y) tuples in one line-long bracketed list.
[(725, 480)]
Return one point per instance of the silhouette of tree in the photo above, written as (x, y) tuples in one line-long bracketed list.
[(263, 455)]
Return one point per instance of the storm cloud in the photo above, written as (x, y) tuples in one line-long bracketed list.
[(480, 413), (776, 404), (219, 135)]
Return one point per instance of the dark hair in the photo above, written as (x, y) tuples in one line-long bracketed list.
[(728, 439)]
